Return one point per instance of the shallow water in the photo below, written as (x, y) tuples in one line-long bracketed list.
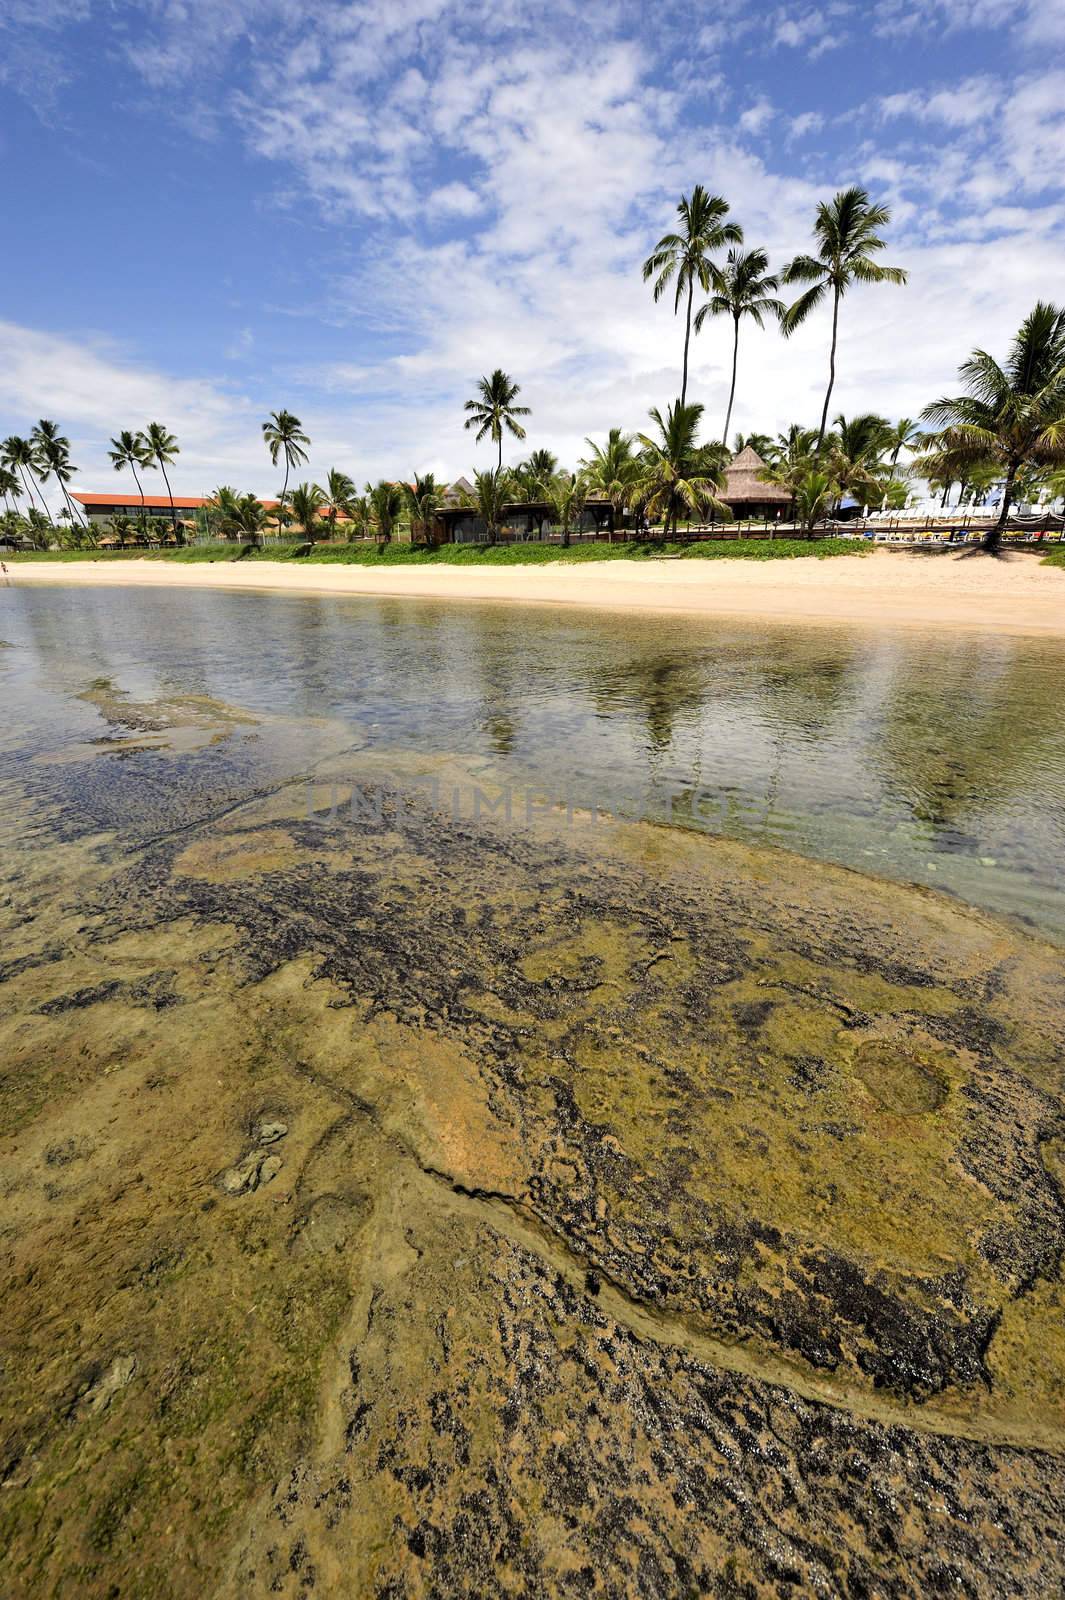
[(423, 1201), (937, 760)]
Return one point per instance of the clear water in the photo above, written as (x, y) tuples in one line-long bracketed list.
[(931, 759)]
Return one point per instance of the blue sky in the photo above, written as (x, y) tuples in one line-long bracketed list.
[(216, 208)]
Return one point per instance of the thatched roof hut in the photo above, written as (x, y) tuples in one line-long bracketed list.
[(747, 493)]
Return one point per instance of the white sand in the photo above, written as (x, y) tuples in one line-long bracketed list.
[(1014, 593)]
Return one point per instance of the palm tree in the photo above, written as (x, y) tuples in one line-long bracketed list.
[(611, 469), (385, 505), (857, 452), (359, 511), (123, 527), (41, 528), (10, 488), (1012, 415), (845, 231), (760, 443), (795, 445), (674, 469), (161, 448), (53, 459), (246, 516), (491, 492), (493, 409), (337, 497), (423, 498), (307, 502), (541, 465), (744, 287), (814, 493), (902, 435), (566, 494), (284, 435), (128, 450), (683, 259), (20, 456)]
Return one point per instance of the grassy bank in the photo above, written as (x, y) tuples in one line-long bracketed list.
[(399, 555)]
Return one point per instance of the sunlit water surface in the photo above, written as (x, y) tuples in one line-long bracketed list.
[(936, 759)]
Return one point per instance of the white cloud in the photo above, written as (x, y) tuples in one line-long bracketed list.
[(1031, 22), (757, 117), (812, 29), (961, 105)]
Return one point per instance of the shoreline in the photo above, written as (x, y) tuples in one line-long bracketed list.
[(1009, 594)]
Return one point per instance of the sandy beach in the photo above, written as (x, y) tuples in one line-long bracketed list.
[(1014, 593)]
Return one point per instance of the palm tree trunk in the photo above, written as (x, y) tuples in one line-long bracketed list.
[(687, 341), (173, 514), (69, 504), (140, 491), (499, 459), (29, 486), (47, 507), (284, 492), (994, 537), (831, 371), (732, 391)]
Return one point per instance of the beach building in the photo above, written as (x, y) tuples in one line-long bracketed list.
[(747, 493), (101, 509), (457, 521)]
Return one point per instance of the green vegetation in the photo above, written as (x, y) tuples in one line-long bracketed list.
[(683, 259), (848, 239), (471, 555), (1008, 428), (745, 288), (1012, 416), (493, 409)]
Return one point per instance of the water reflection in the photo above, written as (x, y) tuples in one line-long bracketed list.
[(939, 759)]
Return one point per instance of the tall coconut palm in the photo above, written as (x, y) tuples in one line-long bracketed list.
[(492, 409), (424, 498), (611, 469), (338, 492), (162, 450), (127, 450), (53, 459), (743, 287), (674, 469), (846, 232), (307, 502), (385, 505), (20, 456), (284, 436), (683, 259), (1012, 415)]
